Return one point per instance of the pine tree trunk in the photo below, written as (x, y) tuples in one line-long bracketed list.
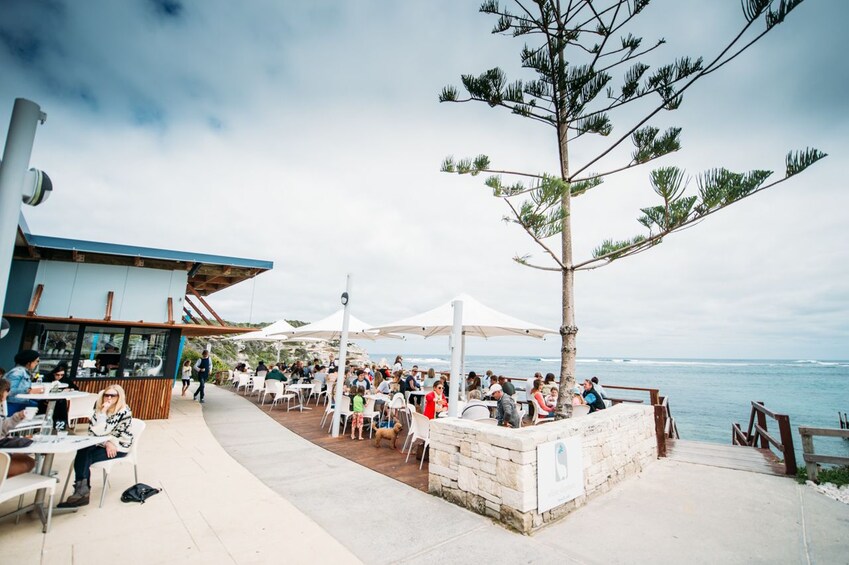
[(568, 329)]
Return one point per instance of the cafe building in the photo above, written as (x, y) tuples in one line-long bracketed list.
[(114, 313)]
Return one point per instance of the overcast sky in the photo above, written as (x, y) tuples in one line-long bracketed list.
[(309, 134)]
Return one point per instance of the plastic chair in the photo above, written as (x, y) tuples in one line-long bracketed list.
[(283, 394), (371, 415), (397, 405), (258, 384), (137, 428), (422, 425), (244, 381), (12, 487), (538, 410), (317, 392), (271, 387), (79, 408), (475, 412)]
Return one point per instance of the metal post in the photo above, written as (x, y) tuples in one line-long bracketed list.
[(343, 351), (13, 169), (456, 353)]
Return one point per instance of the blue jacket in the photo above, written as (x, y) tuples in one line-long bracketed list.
[(21, 382)]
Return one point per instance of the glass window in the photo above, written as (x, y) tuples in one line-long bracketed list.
[(101, 351), (54, 342), (146, 353)]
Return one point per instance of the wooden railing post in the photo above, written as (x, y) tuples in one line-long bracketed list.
[(762, 424), (654, 396), (808, 449), (660, 429), (787, 441)]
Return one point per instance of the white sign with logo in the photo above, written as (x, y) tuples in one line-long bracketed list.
[(560, 472)]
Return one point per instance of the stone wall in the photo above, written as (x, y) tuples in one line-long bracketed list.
[(493, 470)]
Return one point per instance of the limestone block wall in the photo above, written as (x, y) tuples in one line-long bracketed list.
[(493, 470)]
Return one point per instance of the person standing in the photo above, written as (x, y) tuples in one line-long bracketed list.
[(399, 364), (20, 380), (187, 376), (203, 368), (357, 415)]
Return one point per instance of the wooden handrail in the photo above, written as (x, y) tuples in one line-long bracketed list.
[(654, 393), (811, 458), (757, 434)]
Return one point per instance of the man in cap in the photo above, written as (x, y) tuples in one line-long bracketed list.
[(506, 413)]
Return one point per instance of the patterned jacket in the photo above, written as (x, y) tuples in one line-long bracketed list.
[(115, 428)]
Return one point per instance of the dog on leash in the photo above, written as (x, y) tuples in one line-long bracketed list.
[(390, 434)]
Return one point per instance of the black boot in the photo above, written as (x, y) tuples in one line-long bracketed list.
[(79, 497)]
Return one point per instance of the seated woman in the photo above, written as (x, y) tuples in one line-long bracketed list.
[(60, 410), (577, 397), (435, 401), (20, 463), (110, 420), (536, 394)]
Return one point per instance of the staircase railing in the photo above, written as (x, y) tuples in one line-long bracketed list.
[(757, 435)]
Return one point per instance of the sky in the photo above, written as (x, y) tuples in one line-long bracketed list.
[(310, 134)]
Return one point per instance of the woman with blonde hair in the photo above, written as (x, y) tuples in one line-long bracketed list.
[(110, 420)]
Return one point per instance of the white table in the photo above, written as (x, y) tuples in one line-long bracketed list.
[(53, 446), (301, 387)]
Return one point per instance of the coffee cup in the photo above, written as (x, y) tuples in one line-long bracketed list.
[(30, 412)]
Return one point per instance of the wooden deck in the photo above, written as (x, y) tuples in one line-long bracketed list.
[(726, 456), (383, 460)]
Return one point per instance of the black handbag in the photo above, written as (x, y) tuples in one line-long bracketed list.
[(139, 492), (11, 442)]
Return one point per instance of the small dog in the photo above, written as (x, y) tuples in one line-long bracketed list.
[(388, 433)]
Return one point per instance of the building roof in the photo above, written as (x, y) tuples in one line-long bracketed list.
[(207, 273)]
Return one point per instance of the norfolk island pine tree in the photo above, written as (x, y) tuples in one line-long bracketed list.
[(578, 47)]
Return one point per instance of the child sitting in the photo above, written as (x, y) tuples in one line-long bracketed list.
[(357, 416), (551, 399)]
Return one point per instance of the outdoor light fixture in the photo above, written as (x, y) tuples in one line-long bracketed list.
[(344, 298), (4, 329)]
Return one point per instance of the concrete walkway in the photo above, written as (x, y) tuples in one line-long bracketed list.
[(673, 512), (211, 511)]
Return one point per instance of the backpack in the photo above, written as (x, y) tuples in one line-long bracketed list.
[(139, 492)]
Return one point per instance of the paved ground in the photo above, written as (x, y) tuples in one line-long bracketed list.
[(212, 511), (672, 513), (277, 498)]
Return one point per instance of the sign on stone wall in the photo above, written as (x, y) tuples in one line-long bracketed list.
[(560, 472)]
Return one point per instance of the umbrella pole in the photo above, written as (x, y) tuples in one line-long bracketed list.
[(463, 366), (456, 358), (343, 351)]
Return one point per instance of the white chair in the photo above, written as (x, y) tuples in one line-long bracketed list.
[(328, 411), (317, 392), (345, 412), (411, 428), (580, 410), (261, 374), (396, 406), (244, 381), (271, 387), (538, 410), (475, 412), (370, 414), (257, 385), (17, 487), (137, 428), (422, 432), (79, 408), (283, 394)]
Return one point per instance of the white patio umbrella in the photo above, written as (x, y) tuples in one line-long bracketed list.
[(477, 320), (330, 328)]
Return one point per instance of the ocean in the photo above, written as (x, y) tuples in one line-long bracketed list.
[(705, 395)]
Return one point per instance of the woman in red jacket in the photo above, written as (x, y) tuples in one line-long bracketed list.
[(435, 401)]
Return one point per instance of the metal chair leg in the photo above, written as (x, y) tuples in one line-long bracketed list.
[(136, 472), (67, 480), (49, 514), (105, 484)]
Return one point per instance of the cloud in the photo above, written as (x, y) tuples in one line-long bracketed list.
[(310, 134)]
